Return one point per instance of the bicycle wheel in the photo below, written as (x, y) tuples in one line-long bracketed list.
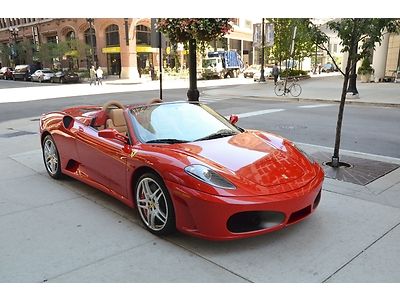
[(279, 88), (295, 90)]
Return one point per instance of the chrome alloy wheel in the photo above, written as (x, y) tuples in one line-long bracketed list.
[(152, 204), (50, 156)]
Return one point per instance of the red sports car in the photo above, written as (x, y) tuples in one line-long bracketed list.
[(184, 166)]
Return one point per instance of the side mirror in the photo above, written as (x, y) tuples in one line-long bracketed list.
[(233, 119), (113, 134)]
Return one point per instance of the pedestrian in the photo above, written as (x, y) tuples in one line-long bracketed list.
[(99, 75), (92, 75), (275, 72)]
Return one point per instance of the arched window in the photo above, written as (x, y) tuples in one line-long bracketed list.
[(89, 33), (112, 35), (70, 35), (143, 35)]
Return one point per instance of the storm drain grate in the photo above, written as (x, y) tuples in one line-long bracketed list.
[(362, 171), (16, 133)]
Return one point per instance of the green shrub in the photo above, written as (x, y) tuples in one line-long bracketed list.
[(365, 68)]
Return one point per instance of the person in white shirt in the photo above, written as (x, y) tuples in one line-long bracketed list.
[(99, 75)]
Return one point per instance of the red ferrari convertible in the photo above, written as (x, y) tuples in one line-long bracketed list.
[(184, 166)]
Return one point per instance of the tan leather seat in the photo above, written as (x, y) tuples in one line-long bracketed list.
[(117, 120)]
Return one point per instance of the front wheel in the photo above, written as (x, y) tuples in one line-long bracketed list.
[(154, 204), (279, 89), (295, 90), (51, 157)]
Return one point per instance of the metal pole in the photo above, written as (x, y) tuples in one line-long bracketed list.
[(192, 93), (160, 61), (262, 77), (91, 21)]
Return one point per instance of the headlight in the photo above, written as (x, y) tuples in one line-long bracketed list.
[(309, 157), (208, 176)]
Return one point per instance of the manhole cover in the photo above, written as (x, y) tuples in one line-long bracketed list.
[(16, 133), (361, 171)]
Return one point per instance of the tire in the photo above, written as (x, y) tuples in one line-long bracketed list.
[(295, 90), (62, 80), (279, 89), (51, 158), (154, 204), (39, 79), (51, 80)]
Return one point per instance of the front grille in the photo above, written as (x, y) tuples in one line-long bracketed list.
[(300, 214)]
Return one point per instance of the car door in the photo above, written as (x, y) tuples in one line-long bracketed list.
[(103, 160)]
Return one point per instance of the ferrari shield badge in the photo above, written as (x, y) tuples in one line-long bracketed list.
[(133, 153)]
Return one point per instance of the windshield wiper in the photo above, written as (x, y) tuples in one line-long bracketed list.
[(216, 135), (166, 141)]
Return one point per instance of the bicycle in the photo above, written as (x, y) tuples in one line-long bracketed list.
[(293, 88)]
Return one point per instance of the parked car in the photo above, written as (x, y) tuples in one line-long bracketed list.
[(65, 76), (267, 73), (42, 75), (328, 68), (24, 72), (144, 156), (6, 73), (249, 72)]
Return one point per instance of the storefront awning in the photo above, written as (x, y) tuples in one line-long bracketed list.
[(111, 50)]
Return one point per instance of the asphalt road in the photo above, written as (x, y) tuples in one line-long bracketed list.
[(366, 129)]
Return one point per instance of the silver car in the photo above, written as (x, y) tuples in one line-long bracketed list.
[(42, 75)]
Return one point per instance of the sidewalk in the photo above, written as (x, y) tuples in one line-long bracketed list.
[(320, 88)]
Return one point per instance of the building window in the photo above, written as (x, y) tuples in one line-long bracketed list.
[(335, 48), (88, 39), (70, 36), (112, 35), (235, 21), (52, 39), (143, 35)]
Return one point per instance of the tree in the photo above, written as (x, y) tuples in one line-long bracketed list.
[(283, 39), (191, 31), (352, 32)]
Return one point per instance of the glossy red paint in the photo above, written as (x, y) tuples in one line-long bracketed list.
[(269, 173)]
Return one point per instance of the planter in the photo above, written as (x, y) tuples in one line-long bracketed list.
[(365, 77)]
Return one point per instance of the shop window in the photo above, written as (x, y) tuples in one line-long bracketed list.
[(112, 35)]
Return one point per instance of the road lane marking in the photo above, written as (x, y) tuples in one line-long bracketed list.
[(315, 105), (259, 112)]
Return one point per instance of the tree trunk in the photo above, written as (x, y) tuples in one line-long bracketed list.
[(353, 78), (335, 157), (192, 93)]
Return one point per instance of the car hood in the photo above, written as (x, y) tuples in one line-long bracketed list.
[(252, 159)]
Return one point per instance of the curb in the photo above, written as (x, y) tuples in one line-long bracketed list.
[(275, 98)]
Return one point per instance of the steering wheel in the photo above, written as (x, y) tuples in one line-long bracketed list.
[(112, 103)]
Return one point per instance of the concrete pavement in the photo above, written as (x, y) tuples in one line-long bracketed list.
[(64, 231)]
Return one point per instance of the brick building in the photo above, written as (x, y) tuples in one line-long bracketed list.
[(121, 46)]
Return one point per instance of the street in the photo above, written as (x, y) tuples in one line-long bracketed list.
[(65, 231)]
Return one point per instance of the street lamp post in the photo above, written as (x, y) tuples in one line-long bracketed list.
[(91, 21), (14, 34), (262, 77)]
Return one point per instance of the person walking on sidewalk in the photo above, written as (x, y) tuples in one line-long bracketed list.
[(275, 72), (99, 75), (92, 75)]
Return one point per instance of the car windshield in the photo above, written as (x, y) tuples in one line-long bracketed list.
[(47, 71), (209, 62), (179, 122)]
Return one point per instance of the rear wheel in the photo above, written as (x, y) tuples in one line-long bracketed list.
[(154, 204), (279, 88), (51, 157)]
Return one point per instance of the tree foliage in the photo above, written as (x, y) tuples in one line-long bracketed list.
[(203, 30)]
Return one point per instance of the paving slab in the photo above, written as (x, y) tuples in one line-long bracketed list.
[(310, 251), (155, 262), (11, 169), (379, 263), (29, 192), (49, 241)]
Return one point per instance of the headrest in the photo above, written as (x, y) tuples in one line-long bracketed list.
[(117, 115)]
